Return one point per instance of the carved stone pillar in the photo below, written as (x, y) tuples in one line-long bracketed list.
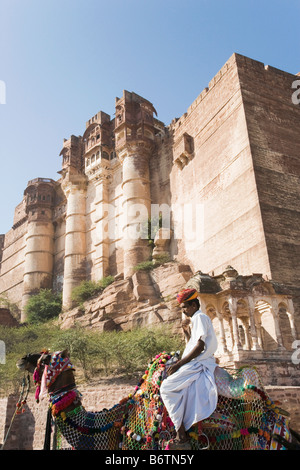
[(253, 329), (259, 333), (275, 313), (247, 337), (222, 333), (291, 315), (232, 302)]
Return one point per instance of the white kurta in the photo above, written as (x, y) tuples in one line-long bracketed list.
[(190, 394)]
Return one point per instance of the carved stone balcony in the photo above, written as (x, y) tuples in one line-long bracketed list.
[(183, 150)]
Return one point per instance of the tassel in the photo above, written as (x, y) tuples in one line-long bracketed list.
[(37, 381), (37, 393)]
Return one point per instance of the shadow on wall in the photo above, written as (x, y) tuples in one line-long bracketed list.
[(7, 319), (21, 434)]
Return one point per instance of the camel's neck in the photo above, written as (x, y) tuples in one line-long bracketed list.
[(58, 392), (64, 396), (84, 430), (64, 400)]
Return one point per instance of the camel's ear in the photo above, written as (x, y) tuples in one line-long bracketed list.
[(47, 359), (65, 353)]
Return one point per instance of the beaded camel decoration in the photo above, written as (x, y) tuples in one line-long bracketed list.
[(245, 417)]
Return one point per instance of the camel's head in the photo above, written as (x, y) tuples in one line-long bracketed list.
[(47, 369), (31, 360)]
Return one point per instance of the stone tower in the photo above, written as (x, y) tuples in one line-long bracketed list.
[(135, 144), (73, 184), (98, 151), (39, 249)]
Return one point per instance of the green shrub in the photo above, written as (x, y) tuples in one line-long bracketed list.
[(144, 343), (20, 341), (144, 266), (92, 353), (76, 341), (106, 281), (152, 264), (88, 289), (84, 291), (128, 352), (161, 259), (43, 306)]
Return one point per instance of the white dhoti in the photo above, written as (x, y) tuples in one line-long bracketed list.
[(190, 394)]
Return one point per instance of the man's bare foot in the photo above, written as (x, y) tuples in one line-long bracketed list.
[(180, 445)]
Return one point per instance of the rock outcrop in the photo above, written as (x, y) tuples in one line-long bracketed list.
[(146, 298)]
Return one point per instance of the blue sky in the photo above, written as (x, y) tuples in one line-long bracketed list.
[(64, 60)]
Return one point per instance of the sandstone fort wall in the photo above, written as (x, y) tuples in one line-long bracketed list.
[(273, 123), (221, 177)]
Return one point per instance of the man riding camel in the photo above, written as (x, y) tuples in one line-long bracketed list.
[(189, 392)]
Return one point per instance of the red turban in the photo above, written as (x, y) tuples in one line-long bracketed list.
[(186, 294)]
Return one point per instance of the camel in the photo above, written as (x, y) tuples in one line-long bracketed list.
[(245, 417), (80, 428)]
